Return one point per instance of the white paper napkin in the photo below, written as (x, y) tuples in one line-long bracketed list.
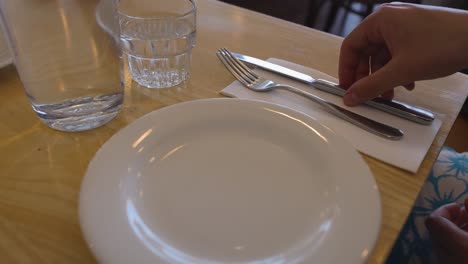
[(406, 153)]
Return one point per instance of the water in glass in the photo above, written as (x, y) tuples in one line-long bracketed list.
[(158, 50)]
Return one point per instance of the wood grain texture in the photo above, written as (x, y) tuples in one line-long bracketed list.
[(41, 169)]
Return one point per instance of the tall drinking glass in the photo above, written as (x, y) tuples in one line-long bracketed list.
[(68, 64)]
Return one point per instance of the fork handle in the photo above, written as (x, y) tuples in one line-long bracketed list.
[(370, 125)]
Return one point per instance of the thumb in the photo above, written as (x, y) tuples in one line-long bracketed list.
[(447, 233), (369, 87)]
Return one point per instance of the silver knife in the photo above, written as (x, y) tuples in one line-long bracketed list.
[(393, 107)]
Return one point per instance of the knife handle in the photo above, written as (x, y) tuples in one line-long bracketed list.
[(393, 107)]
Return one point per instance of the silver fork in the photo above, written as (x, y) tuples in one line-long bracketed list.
[(254, 82)]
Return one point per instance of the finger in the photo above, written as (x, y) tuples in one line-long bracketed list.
[(363, 68), (349, 61), (446, 233), (388, 95), (376, 64), (409, 86), (448, 211), (353, 49), (453, 212), (350, 57), (379, 58), (464, 227), (385, 79), (463, 217)]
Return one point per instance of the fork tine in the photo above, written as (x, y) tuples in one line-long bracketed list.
[(228, 56), (248, 80), (235, 67), (246, 70), (232, 70)]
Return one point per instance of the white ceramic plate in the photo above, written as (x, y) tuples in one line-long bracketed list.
[(5, 55), (228, 181)]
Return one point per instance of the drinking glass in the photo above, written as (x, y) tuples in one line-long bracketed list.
[(68, 64), (157, 38)]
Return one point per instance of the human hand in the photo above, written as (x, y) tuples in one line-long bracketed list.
[(400, 44), (448, 230)]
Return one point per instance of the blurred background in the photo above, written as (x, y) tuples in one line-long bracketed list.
[(340, 17)]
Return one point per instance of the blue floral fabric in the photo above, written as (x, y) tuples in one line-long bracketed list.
[(446, 183)]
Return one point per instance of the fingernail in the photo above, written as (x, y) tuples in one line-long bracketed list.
[(351, 99)]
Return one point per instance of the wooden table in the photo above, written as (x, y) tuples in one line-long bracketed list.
[(41, 169)]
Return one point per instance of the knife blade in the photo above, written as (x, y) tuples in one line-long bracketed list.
[(393, 107)]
